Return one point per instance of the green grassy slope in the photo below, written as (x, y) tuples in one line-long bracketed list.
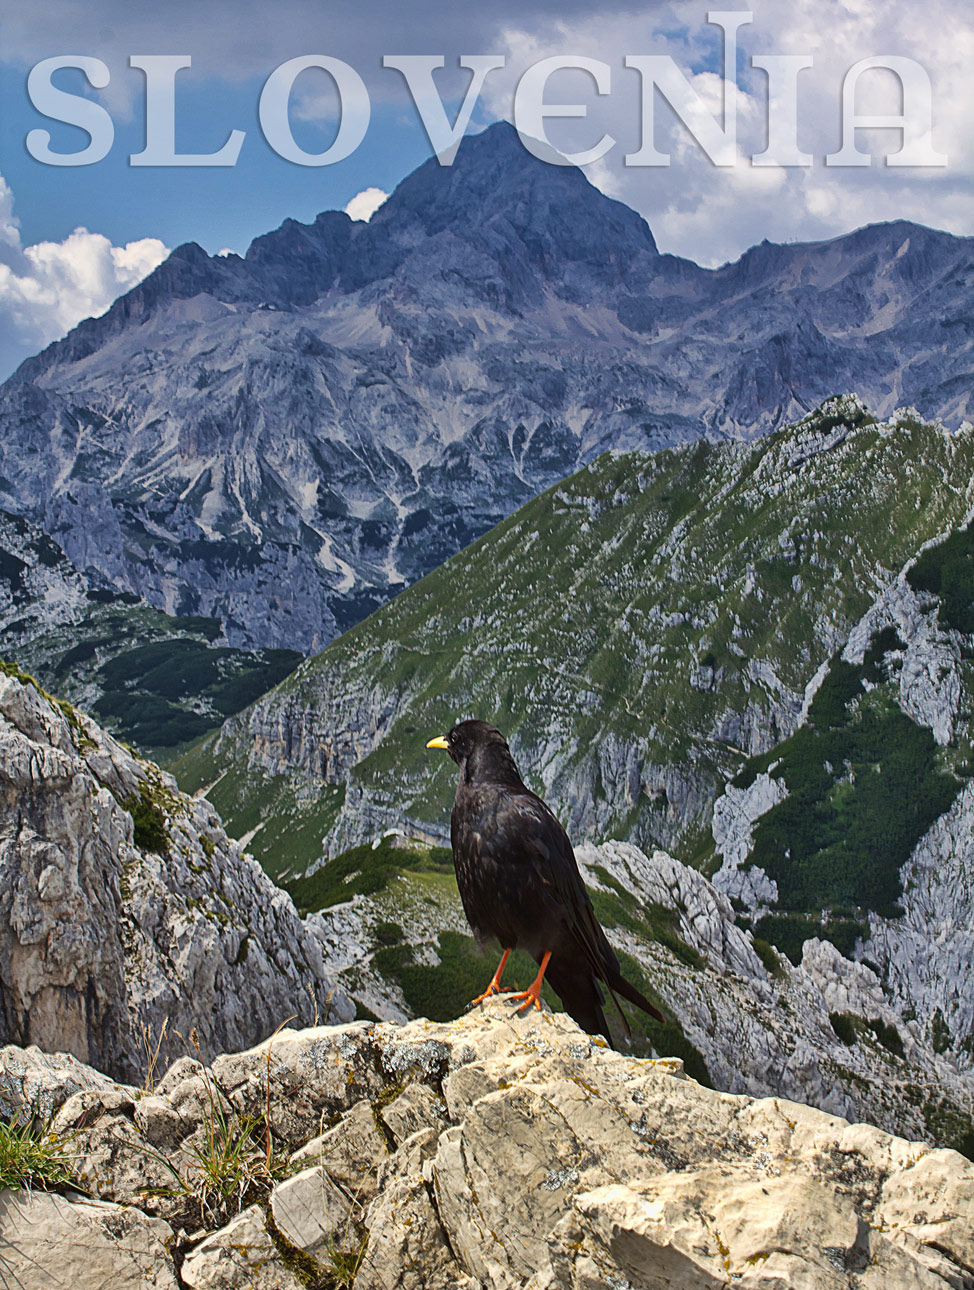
[(638, 631), (865, 779), (157, 681)]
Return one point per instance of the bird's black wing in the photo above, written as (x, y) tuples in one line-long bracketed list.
[(553, 853), (560, 870)]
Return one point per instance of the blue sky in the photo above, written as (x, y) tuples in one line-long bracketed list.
[(72, 238)]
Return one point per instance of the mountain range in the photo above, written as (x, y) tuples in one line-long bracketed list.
[(284, 440), (525, 467), (756, 656)]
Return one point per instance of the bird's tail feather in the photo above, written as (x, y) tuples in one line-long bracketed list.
[(622, 1015), (618, 983), (579, 991)]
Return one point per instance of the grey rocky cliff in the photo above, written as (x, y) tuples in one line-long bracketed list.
[(735, 813), (930, 685), (111, 940), (490, 1153), (39, 586), (923, 956), (764, 1027)]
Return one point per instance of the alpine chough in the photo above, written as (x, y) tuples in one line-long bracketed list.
[(519, 882)]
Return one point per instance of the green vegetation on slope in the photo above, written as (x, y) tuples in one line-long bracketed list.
[(365, 870), (149, 822), (947, 570), (156, 681), (850, 1029), (865, 782), (444, 991), (615, 908), (789, 932), (636, 628), (32, 1155)]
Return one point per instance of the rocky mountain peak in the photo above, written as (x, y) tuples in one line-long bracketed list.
[(294, 435), (496, 189)]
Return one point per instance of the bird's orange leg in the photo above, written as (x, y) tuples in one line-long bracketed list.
[(495, 981), (533, 993)]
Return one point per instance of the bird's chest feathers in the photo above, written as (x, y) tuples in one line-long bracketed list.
[(500, 871)]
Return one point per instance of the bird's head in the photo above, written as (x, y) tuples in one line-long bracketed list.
[(479, 749)]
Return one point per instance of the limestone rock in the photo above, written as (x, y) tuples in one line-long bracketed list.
[(44, 1081), (65, 1243), (352, 1152), (764, 1030), (705, 913), (926, 955), (240, 1256), (514, 1153), (309, 1209), (115, 1146), (760, 1024), (923, 956), (929, 680), (735, 813), (408, 1248), (113, 939), (700, 1228)]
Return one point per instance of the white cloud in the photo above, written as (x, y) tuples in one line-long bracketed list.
[(694, 208), (9, 229), (712, 214), (47, 288), (364, 204)]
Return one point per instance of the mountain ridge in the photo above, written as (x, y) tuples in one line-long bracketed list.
[(641, 609), (756, 657), (285, 440)]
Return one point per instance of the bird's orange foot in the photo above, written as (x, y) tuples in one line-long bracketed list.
[(495, 982), (531, 995), (487, 994)]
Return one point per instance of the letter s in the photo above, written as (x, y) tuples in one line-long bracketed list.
[(72, 109)]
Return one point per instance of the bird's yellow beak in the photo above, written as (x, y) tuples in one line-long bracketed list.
[(439, 742)]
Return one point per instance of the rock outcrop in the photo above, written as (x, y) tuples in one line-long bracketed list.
[(926, 955), (126, 914), (923, 952), (39, 586), (489, 1153), (735, 813)]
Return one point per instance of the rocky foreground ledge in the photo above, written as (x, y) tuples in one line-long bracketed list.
[(492, 1151)]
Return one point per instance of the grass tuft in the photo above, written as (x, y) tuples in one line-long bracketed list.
[(33, 1155)]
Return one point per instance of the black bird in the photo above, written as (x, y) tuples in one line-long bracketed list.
[(519, 881)]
